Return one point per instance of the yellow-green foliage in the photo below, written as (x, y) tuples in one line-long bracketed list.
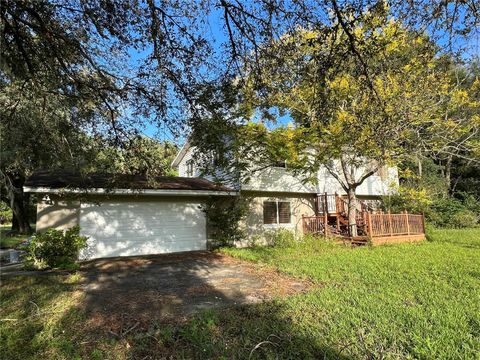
[(393, 95)]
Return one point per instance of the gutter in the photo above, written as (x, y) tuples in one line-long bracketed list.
[(155, 192)]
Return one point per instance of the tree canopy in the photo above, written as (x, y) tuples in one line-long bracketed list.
[(72, 71), (355, 114)]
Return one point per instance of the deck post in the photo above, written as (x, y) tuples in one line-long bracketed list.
[(370, 228), (325, 214), (325, 223), (390, 222), (382, 223), (325, 201), (316, 202), (408, 222)]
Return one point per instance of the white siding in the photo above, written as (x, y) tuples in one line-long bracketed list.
[(375, 185), (182, 165), (219, 173), (372, 186), (281, 180), (139, 228), (277, 180)]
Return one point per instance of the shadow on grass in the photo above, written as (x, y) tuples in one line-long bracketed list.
[(143, 308), (243, 332), (31, 309)]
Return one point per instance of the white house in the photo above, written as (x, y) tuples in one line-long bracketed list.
[(132, 215), (279, 199)]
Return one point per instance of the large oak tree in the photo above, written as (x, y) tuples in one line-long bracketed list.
[(110, 66)]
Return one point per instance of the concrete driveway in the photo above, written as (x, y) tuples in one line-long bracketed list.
[(171, 286)]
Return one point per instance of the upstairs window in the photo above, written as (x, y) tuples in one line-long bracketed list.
[(276, 212), (190, 168)]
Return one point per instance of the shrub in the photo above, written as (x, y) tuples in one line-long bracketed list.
[(413, 200), (223, 217), (455, 213), (5, 212), (55, 248), (464, 218), (280, 238)]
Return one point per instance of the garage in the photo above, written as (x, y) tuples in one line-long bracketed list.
[(125, 215), (142, 228)]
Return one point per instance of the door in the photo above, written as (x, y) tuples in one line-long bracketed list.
[(142, 228)]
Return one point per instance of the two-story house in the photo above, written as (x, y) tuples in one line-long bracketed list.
[(132, 215), (280, 198)]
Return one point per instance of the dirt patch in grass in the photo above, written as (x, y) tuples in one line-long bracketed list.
[(123, 292)]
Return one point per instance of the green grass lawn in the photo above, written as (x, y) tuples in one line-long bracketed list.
[(395, 302), (8, 240)]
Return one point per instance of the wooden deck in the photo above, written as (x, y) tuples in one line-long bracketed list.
[(373, 228)]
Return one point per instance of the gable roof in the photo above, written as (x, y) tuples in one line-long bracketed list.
[(70, 180), (181, 154)]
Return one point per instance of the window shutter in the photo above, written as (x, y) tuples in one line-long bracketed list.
[(269, 212), (284, 212)]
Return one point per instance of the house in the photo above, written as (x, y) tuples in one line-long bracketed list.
[(133, 215), (282, 200), (130, 215)]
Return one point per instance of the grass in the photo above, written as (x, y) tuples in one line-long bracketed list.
[(8, 240), (401, 301)]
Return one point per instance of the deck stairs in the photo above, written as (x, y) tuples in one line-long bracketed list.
[(337, 218), (373, 226)]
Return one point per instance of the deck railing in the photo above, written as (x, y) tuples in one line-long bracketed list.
[(376, 225), (329, 202), (381, 225), (334, 204), (313, 225)]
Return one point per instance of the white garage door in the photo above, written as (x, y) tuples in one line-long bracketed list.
[(141, 228)]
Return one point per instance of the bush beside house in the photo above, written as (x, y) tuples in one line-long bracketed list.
[(55, 249)]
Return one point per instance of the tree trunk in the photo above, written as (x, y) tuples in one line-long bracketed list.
[(19, 207), (12, 184), (15, 227), (448, 173), (352, 212)]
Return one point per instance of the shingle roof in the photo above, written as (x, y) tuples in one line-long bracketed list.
[(66, 179)]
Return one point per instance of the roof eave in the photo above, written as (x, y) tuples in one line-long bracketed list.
[(143, 192), (181, 154)]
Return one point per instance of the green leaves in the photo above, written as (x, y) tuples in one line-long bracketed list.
[(55, 248), (140, 155)]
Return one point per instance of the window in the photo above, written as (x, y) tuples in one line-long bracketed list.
[(189, 168), (283, 212), (276, 212), (269, 212)]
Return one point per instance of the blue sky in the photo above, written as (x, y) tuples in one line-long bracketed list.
[(217, 35)]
